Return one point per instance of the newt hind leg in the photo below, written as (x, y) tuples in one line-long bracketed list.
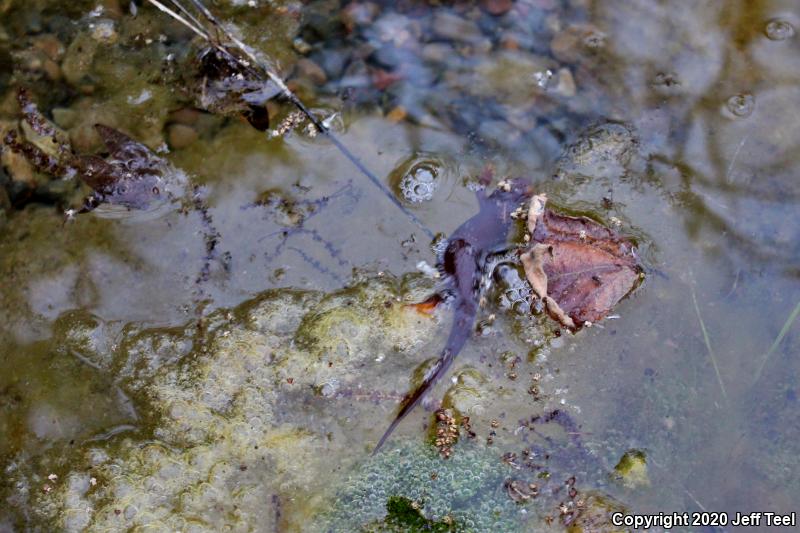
[(427, 306)]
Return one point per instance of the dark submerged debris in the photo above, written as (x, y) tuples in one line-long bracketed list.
[(521, 491), (228, 87), (446, 432)]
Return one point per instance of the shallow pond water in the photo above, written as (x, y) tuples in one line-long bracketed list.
[(149, 380)]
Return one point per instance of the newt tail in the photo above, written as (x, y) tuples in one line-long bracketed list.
[(459, 334), (464, 260)]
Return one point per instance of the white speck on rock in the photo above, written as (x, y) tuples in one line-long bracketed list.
[(144, 96)]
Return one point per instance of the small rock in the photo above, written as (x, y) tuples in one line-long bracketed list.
[(437, 52), (18, 168), (576, 41), (497, 7), (113, 9), (65, 117), (84, 138), (332, 62), (50, 45), (509, 42), (186, 115), (450, 26), (79, 58), (51, 69), (104, 32), (359, 14), (397, 114), (180, 136), (306, 68), (509, 77), (301, 46), (566, 83)]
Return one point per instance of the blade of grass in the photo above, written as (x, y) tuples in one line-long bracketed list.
[(775, 343), (708, 346)]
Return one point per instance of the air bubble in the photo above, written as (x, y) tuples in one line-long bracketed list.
[(778, 30), (515, 293), (741, 105)]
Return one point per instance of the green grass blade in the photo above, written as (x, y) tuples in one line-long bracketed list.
[(784, 330), (708, 346)]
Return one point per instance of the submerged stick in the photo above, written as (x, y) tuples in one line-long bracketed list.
[(257, 67)]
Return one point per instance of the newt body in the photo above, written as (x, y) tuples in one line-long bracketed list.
[(463, 260)]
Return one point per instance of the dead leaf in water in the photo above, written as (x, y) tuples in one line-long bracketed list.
[(578, 267)]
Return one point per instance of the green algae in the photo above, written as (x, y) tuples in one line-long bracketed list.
[(714, 192), (216, 446), (401, 515), (631, 469), (218, 442)]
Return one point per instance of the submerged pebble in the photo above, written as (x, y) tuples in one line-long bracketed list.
[(450, 26), (180, 136)]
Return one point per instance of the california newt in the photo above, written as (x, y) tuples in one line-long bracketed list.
[(463, 261), (131, 175)]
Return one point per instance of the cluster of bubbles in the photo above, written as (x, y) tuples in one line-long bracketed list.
[(515, 293), (419, 184), (417, 179)]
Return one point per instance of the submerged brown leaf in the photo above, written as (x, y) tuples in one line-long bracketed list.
[(578, 267)]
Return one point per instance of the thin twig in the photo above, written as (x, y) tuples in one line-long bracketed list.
[(190, 16), (708, 346), (784, 330), (257, 67), (179, 18)]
